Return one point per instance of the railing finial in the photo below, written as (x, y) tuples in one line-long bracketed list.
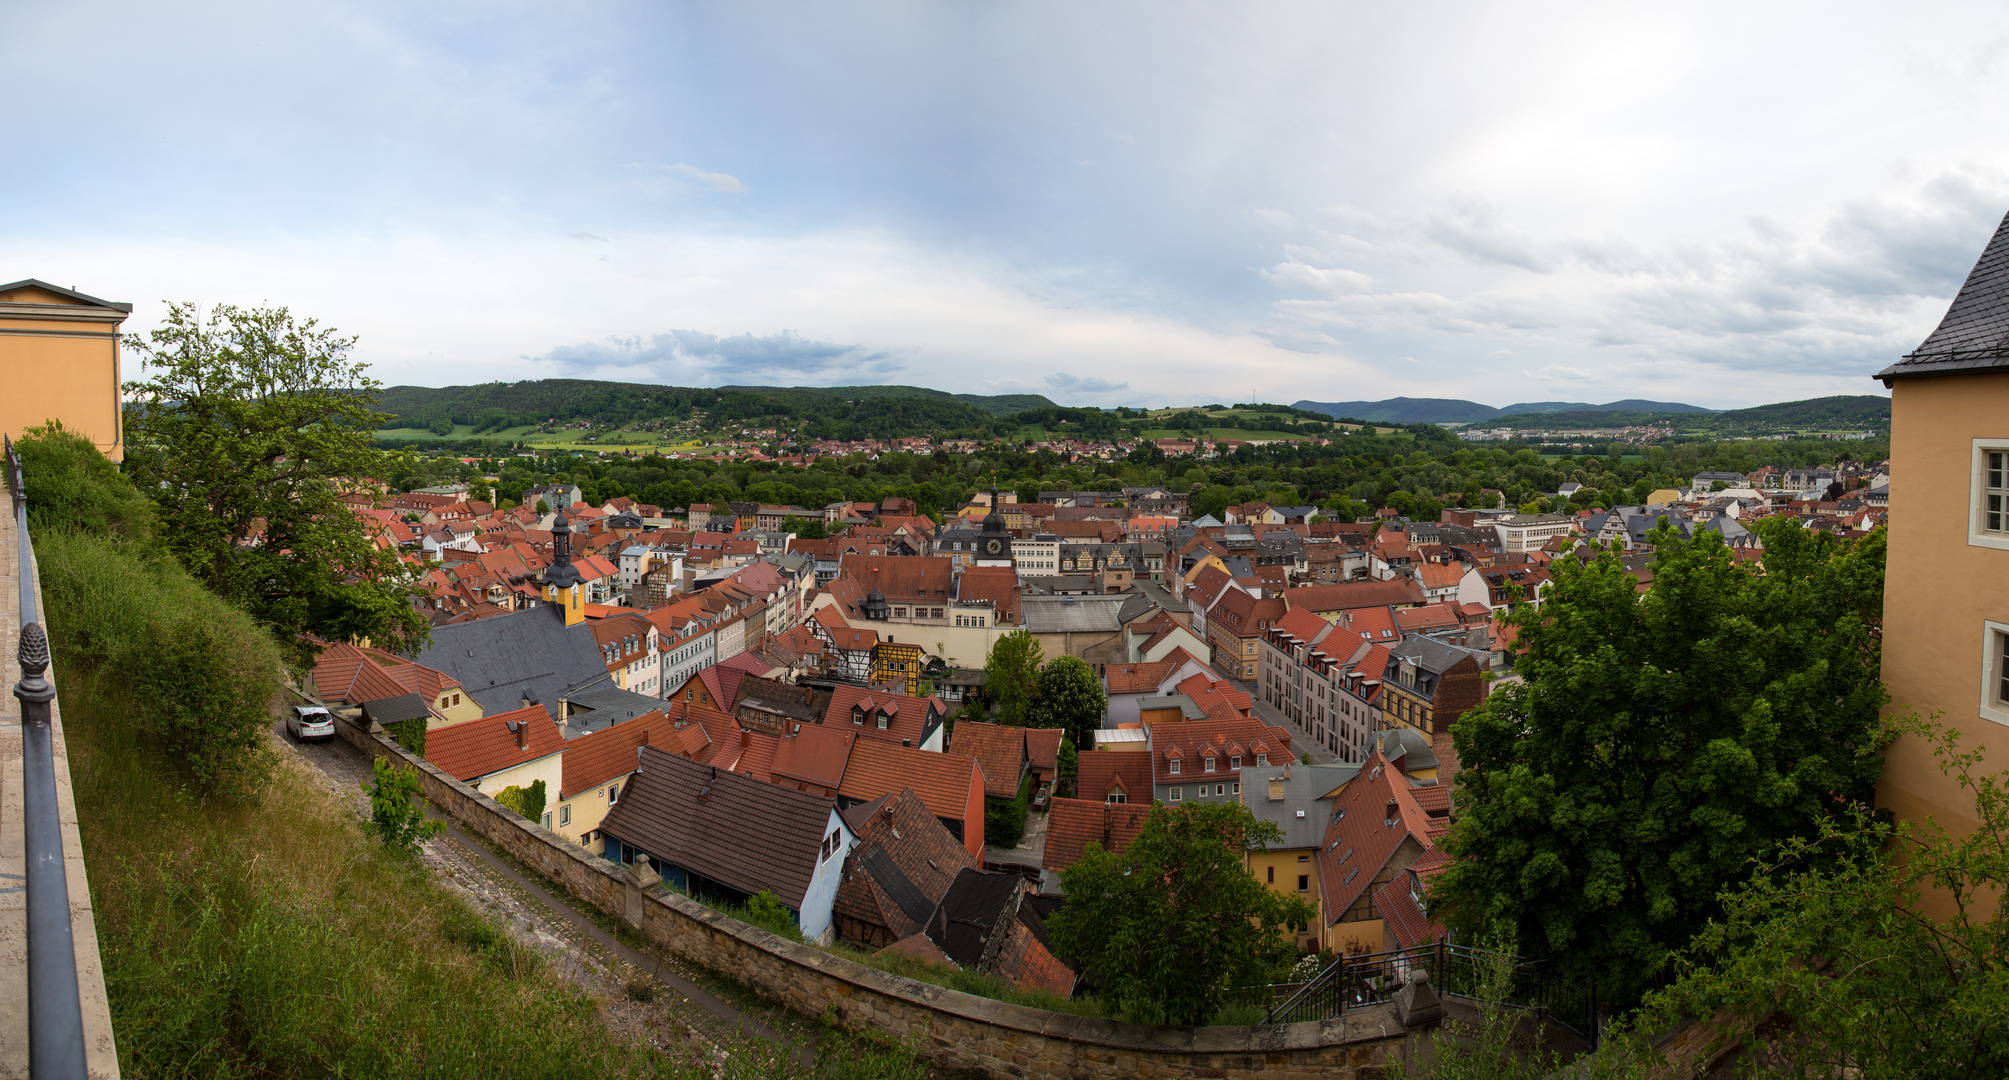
[(34, 656)]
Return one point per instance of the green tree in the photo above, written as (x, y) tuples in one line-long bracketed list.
[(1169, 926), (397, 811), (1011, 676), (1660, 742), (244, 432), (1831, 935), (805, 528), (1069, 695), (1068, 762), (442, 426)]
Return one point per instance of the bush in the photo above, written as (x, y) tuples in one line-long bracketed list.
[(410, 734), (74, 488), (202, 673), (397, 814), (526, 802), (766, 911), (1004, 819)]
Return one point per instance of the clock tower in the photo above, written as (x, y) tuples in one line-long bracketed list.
[(993, 542), (562, 584)]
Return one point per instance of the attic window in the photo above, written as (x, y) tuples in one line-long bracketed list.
[(1210, 764), (882, 721), (1235, 762), (1174, 768)]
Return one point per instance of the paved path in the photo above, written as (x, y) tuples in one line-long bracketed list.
[(546, 919)]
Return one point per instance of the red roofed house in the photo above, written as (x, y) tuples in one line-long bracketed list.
[(1235, 623), (952, 785), (1377, 831), (898, 872), (592, 768), (508, 749), (1000, 749), (1325, 679), (1073, 824), (1114, 776), (352, 675), (1203, 759), (887, 716)]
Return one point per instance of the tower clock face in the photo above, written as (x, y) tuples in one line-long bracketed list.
[(994, 547)]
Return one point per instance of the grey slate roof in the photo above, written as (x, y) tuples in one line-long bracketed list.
[(1974, 335), (743, 833), (394, 710), (501, 660), (599, 704), (1301, 814), (1078, 614)]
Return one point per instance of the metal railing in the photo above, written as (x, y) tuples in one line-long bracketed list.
[(55, 1011), (1350, 982)]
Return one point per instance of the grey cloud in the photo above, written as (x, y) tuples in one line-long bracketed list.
[(695, 357), (586, 236), (1079, 385)]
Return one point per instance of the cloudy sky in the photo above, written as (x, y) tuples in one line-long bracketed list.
[(1144, 203)]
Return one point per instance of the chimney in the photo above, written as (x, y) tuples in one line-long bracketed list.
[(1277, 788), (522, 731)]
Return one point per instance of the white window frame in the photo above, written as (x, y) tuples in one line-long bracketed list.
[(1991, 670), (565, 814), (1178, 794), (1976, 497)]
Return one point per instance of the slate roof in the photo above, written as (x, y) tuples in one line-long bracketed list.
[(1974, 335), (395, 710), (1303, 809), (1072, 824), (745, 834), (984, 924), (473, 749), (998, 748), (601, 704), (530, 653)]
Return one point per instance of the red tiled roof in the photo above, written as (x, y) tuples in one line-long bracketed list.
[(1357, 594), (1138, 678), (813, 754), (1256, 737), (1072, 824), (1042, 747), (907, 717), (1103, 771), (998, 748), (592, 760), (473, 749), (1360, 840), (943, 781)]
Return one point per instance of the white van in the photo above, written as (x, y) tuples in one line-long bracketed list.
[(310, 722)]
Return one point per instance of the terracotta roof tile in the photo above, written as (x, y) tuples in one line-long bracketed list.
[(1360, 838), (473, 749), (1104, 771), (942, 780), (593, 759), (1072, 824), (998, 748)]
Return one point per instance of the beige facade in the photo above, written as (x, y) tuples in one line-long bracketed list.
[(59, 360)]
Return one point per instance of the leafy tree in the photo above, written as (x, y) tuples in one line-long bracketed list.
[(1011, 676), (1661, 742), (806, 528), (1069, 695), (1068, 762), (1170, 925), (442, 426), (1831, 934), (397, 811), (243, 434)]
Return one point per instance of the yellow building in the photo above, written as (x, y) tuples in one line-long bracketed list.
[(59, 360), (1946, 591), (898, 662)]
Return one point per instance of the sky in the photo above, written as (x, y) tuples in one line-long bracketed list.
[(1144, 204)]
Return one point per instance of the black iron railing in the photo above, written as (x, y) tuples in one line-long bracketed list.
[(55, 1012), (1353, 981)]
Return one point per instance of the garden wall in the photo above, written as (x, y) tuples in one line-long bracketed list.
[(951, 1028)]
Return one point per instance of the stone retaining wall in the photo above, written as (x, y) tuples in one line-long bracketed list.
[(952, 1028)]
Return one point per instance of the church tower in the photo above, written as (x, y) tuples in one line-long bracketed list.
[(562, 584), (993, 542)]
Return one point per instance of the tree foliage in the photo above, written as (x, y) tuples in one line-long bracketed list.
[(243, 433), (1011, 677), (1069, 695), (1832, 939), (1658, 743), (527, 802), (1169, 926), (397, 811)]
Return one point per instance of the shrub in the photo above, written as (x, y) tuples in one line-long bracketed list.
[(397, 814), (410, 734), (527, 802), (72, 487), (201, 672), (766, 911), (1004, 819)]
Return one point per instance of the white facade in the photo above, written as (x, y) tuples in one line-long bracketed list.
[(683, 658)]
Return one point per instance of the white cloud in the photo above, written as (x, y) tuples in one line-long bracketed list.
[(716, 181)]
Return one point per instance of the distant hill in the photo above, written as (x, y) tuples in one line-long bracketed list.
[(999, 404), (1404, 410), (1628, 405), (836, 411), (1866, 410), (1860, 411)]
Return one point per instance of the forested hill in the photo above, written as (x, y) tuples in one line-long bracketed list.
[(1403, 410), (1862, 411), (875, 410)]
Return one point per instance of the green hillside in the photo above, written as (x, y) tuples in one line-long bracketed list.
[(1857, 412), (1000, 404)]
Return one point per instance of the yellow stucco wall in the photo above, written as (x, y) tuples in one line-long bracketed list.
[(58, 364), (589, 809), (1284, 861), (1940, 589)]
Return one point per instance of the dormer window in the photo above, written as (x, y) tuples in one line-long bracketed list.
[(1210, 764), (1235, 762), (883, 720), (1174, 769), (1262, 760)]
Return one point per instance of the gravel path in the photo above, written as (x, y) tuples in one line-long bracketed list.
[(645, 996)]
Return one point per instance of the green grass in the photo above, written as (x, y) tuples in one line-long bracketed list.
[(969, 982)]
